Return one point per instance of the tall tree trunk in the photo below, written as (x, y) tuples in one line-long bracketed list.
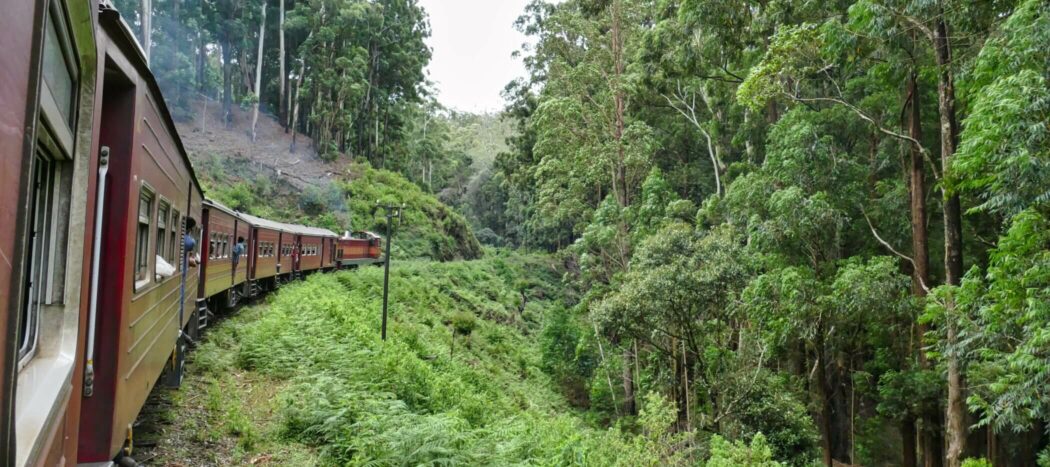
[(258, 71), (917, 175), (909, 455), (619, 181), (283, 108), (200, 61), (820, 385), (955, 415), (931, 441), (147, 28), (227, 80), (629, 405), (298, 98)]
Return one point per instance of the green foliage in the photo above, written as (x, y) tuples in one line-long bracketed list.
[(971, 462), (730, 454), (364, 401), (1008, 338), (791, 53), (428, 228), (1004, 155)]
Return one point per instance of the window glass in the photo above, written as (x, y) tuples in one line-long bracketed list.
[(162, 231), (211, 245), (58, 75), (142, 238)]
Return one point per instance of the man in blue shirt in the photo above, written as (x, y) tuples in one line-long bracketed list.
[(189, 245), (189, 259), (238, 250)]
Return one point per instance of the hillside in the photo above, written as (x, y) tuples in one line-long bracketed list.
[(204, 133), (265, 178)]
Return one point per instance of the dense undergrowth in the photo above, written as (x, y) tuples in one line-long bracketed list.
[(418, 398)]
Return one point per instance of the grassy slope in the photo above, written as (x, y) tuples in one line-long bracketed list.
[(429, 229), (333, 393)]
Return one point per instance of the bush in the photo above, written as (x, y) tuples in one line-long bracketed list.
[(740, 454)]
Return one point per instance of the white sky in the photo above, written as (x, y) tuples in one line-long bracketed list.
[(472, 42)]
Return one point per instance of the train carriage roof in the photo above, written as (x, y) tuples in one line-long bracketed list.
[(267, 224), (317, 231), (211, 203)]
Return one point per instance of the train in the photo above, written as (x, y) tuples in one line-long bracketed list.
[(112, 258)]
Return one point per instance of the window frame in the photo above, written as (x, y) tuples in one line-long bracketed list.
[(50, 112), (161, 232), (141, 285), (175, 249)]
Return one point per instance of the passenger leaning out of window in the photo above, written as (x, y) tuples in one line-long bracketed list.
[(191, 258), (238, 250)]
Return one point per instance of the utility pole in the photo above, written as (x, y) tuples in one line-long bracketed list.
[(391, 213)]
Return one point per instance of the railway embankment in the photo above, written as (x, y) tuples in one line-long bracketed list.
[(304, 379)]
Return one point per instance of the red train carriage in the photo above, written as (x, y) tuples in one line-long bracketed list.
[(317, 249), (145, 295), (47, 175), (310, 247), (222, 278), (266, 263), (359, 248)]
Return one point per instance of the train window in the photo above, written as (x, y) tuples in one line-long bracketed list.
[(175, 247), (60, 75), (163, 208), (142, 237), (225, 245), (211, 245), (40, 249)]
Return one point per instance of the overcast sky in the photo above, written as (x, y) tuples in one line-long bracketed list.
[(472, 42)]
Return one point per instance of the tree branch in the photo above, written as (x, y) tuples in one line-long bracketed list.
[(886, 244)]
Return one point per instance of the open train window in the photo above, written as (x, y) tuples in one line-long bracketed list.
[(40, 259), (163, 209), (211, 245), (142, 235)]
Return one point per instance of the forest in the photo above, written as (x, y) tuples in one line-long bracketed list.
[(809, 233)]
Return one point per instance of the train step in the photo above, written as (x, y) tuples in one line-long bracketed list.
[(202, 317)]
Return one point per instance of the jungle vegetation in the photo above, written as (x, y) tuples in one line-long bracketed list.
[(811, 232)]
